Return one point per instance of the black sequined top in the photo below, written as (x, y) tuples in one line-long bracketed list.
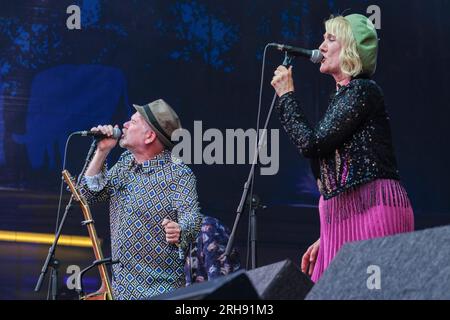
[(352, 143)]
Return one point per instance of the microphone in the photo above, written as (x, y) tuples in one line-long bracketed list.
[(315, 56), (117, 133)]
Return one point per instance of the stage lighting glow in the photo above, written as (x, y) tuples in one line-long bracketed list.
[(44, 238)]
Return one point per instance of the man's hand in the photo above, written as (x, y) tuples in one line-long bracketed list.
[(106, 144), (173, 231)]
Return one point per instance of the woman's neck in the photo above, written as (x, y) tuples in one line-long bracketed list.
[(342, 80)]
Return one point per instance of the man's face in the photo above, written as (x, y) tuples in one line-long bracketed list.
[(135, 132)]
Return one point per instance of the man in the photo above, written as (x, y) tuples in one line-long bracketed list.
[(152, 196), (205, 260)]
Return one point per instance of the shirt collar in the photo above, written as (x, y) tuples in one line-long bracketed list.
[(148, 166)]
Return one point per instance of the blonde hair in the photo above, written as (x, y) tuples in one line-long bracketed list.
[(350, 60)]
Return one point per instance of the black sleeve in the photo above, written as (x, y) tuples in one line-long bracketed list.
[(343, 117)]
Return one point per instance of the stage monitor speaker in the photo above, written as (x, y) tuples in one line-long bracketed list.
[(236, 286), (412, 266), (280, 281)]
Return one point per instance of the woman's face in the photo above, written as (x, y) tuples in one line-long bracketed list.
[(331, 49)]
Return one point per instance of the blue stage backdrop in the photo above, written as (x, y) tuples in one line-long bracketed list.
[(204, 58)]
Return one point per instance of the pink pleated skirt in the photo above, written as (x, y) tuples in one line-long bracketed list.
[(378, 209)]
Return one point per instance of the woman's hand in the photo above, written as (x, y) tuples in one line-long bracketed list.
[(282, 80), (310, 257)]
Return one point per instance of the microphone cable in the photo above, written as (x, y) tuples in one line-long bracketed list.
[(257, 147), (58, 213)]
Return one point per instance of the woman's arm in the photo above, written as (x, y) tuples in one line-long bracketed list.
[(342, 119)]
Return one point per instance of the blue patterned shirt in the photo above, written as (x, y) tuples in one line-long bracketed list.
[(140, 196), (204, 261)]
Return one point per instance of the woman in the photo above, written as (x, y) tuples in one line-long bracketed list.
[(361, 195)]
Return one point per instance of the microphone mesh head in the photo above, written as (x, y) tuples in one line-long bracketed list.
[(316, 56), (117, 133)]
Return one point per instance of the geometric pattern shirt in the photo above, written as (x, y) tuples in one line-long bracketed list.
[(140, 196)]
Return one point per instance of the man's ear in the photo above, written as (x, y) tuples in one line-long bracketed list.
[(150, 136)]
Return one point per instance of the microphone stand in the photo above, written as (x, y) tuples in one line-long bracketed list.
[(50, 261), (254, 204), (79, 282), (287, 62)]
